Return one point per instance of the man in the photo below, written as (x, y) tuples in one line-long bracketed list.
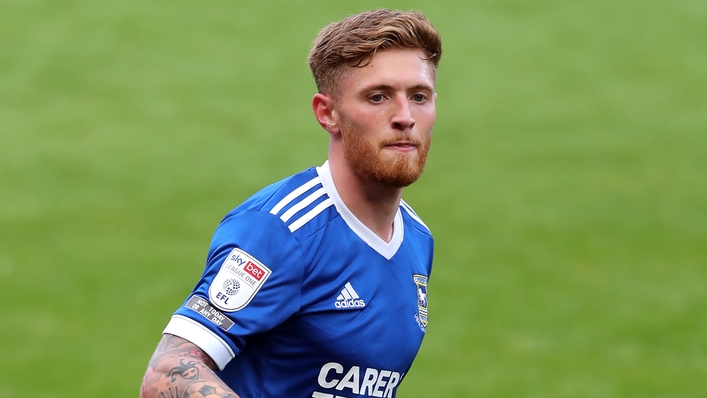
[(316, 286)]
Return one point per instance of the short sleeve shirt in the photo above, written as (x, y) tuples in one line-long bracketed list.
[(298, 298)]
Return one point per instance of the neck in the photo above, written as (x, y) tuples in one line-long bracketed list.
[(375, 205)]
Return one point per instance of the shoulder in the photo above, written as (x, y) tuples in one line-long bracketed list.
[(299, 203)]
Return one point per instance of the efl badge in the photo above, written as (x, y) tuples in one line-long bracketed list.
[(421, 316), (238, 280)]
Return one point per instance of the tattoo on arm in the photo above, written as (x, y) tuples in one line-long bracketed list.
[(173, 393), (179, 369), (187, 371), (177, 346)]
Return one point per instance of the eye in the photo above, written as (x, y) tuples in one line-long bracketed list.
[(375, 98), (419, 97)]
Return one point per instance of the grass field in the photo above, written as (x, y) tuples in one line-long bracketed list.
[(566, 188)]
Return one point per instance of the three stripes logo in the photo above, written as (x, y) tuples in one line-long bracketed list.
[(349, 298)]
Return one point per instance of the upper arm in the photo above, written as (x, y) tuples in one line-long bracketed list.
[(251, 284), (171, 347), (179, 368)]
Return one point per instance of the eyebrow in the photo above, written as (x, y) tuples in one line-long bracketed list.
[(387, 87)]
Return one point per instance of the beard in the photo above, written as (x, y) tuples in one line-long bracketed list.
[(367, 161)]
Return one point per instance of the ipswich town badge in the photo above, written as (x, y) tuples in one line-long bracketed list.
[(421, 316), (239, 279)]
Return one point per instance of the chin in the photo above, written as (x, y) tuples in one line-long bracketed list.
[(398, 173)]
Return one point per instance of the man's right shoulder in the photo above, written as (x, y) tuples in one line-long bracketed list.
[(299, 201)]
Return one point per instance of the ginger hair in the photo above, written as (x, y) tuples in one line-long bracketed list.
[(353, 41)]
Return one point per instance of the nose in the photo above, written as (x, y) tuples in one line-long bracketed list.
[(402, 117)]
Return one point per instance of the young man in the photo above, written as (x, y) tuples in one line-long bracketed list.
[(316, 286)]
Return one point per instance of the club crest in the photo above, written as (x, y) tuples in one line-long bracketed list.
[(421, 316)]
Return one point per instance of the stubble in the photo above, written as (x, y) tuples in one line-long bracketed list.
[(368, 162)]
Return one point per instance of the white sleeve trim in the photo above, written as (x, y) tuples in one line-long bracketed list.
[(202, 337)]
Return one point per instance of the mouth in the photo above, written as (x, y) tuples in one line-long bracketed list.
[(402, 146)]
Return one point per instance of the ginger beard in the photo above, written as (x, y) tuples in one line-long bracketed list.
[(369, 162)]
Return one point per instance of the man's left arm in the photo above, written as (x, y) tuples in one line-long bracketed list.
[(180, 369)]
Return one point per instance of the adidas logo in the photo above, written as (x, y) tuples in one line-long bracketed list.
[(349, 298)]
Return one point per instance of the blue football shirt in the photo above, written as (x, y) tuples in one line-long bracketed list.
[(299, 298)]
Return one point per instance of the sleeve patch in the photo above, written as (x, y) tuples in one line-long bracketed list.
[(239, 279), (205, 309)]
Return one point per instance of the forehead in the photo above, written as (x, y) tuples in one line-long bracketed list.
[(397, 68)]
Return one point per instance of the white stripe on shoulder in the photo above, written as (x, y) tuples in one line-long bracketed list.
[(292, 195), (302, 204), (310, 215), (412, 213)]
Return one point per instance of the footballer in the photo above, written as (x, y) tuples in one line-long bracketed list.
[(316, 286)]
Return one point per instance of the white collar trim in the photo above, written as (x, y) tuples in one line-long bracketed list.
[(385, 249)]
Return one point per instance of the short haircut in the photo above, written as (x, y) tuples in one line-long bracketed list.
[(353, 41)]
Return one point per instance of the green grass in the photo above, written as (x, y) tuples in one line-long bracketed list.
[(567, 186)]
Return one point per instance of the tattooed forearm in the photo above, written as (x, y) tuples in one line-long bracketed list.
[(172, 393), (205, 389), (179, 369)]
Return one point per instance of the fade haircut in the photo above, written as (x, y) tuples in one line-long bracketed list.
[(353, 41)]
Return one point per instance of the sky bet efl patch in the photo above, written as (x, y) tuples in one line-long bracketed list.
[(237, 282)]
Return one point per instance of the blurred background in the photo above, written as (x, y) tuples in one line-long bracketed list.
[(566, 187)]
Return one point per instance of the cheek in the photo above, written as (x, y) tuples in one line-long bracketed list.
[(364, 113), (426, 118), (363, 123)]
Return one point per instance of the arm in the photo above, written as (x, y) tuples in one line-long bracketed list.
[(179, 369)]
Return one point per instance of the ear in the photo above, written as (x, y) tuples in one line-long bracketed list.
[(323, 108)]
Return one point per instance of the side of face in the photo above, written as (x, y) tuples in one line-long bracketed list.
[(382, 117)]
